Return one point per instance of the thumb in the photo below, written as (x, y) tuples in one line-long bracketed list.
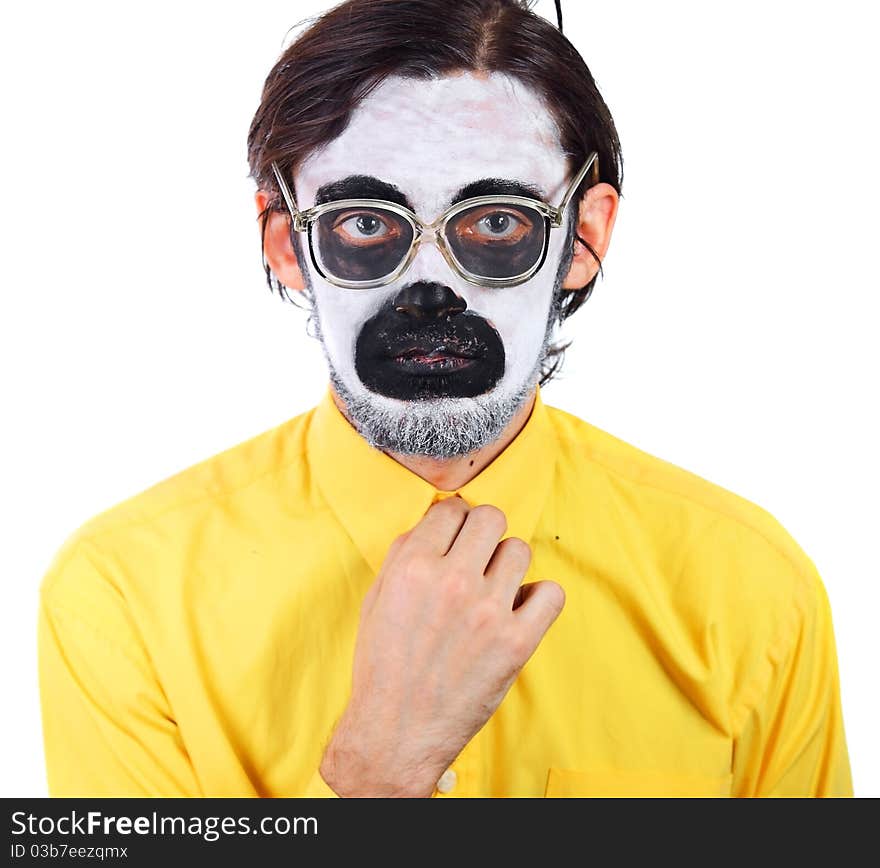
[(390, 556)]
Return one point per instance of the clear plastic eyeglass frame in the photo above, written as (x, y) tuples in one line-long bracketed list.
[(553, 216)]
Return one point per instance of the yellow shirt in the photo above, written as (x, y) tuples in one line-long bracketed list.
[(197, 639)]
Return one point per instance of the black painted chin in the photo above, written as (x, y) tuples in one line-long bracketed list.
[(388, 334)]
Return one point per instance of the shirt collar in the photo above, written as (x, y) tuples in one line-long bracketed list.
[(376, 499)]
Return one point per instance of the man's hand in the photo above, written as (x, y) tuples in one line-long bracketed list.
[(444, 631)]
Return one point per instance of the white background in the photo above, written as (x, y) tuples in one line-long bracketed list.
[(735, 333)]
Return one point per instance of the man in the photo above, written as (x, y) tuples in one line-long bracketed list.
[(432, 583)]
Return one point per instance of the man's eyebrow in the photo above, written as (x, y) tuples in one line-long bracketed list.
[(360, 187), (369, 187), (498, 187)]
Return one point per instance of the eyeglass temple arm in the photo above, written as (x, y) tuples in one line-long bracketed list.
[(295, 213), (575, 183)]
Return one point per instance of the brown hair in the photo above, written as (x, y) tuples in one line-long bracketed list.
[(321, 77)]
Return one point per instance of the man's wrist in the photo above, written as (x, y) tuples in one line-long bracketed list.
[(352, 771)]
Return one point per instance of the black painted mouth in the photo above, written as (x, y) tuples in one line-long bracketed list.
[(458, 356)]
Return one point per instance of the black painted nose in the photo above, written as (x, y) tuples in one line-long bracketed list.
[(427, 301)]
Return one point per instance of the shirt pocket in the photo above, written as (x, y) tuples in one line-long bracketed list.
[(634, 783)]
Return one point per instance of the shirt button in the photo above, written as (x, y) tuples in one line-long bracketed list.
[(447, 781)]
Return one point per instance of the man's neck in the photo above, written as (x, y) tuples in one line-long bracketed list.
[(449, 474)]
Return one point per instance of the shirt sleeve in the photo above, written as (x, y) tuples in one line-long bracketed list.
[(791, 740), (108, 729)]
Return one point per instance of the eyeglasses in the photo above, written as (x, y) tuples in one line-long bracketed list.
[(487, 240)]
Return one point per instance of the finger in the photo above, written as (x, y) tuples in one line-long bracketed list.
[(437, 530), (478, 538), (541, 603), (508, 567)]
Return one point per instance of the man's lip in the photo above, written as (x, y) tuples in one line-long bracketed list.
[(434, 365), (444, 351)]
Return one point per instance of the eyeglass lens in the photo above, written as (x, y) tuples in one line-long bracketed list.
[(496, 240)]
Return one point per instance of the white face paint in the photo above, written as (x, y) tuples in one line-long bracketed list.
[(429, 139)]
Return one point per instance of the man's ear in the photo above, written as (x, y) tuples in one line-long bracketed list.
[(277, 247), (596, 216)]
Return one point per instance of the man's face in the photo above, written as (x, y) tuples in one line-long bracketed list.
[(432, 364)]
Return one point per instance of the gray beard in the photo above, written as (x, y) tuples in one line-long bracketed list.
[(438, 427)]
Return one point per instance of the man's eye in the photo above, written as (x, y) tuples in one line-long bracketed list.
[(499, 224), (488, 224), (362, 227)]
